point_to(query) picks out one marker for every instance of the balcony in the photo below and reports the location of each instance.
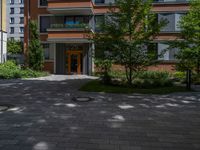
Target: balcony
(69, 33)
(104, 2)
(71, 7)
(170, 1)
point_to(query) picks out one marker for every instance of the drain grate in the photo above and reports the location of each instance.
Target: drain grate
(5, 107)
(82, 99)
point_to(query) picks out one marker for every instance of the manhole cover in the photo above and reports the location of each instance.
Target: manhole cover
(82, 99)
(5, 107)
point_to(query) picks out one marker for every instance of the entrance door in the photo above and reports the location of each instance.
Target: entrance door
(74, 62)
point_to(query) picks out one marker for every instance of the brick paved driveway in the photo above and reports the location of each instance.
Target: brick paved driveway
(45, 118)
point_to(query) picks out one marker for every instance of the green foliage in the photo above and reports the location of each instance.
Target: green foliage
(180, 76)
(36, 58)
(150, 79)
(104, 67)
(153, 75)
(196, 79)
(189, 54)
(127, 32)
(14, 47)
(96, 86)
(10, 70)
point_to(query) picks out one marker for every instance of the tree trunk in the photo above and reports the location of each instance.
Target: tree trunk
(129, 74)
(198, 66)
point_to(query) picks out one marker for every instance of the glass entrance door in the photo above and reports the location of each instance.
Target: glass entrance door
(74, 62)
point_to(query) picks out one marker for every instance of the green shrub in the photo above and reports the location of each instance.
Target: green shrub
(28, 73)
(152, 79)
(10, 70)
(104, 67)
(196, 79)
(180, 76)
(152, 75)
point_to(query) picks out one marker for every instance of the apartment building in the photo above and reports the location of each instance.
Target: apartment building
(3, 33)
(15, 19)
(62, 31)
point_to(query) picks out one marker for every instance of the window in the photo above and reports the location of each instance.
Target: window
(22, 39)
(99, 1)
(152, 50)
(98, 21)
(71, 20)
(43, 2)
(104, 1)
(169, 54)
(12, 20)
(12, 10)
(173, 21)
(21, 1)
(21, 10)
(12, 2)
(21, 20)
(12, 30)
(21, 30)
(11, 38)
(44, 23)
(178, 17)
(48, 52)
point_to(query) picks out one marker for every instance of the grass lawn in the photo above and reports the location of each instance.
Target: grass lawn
(96, 86)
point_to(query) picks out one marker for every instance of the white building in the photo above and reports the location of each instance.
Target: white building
(3, 33)
(15, 19)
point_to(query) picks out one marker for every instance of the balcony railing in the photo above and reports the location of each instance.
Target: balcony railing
(170, 1)
(75, 7)
(70, 26)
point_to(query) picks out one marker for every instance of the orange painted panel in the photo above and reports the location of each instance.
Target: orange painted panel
(56, 34)
(167, 36)
(69, 3)
(170, 7)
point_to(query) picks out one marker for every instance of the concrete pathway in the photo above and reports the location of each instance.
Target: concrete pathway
(44, 117)
(63, 77)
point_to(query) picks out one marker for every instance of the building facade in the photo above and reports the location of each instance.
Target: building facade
(62, 31)
(3, 33)
(15, 19)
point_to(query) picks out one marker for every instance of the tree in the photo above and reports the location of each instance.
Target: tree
(35, 53)
(189, 48)
(14, 47)
(126, 32)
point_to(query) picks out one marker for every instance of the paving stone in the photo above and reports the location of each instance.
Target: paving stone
(45, 116)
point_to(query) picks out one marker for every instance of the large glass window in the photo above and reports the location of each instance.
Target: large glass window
(71, 20)
(44, 23)
(173, 21)
(98, 22)
(178, 17)
(166, 54)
